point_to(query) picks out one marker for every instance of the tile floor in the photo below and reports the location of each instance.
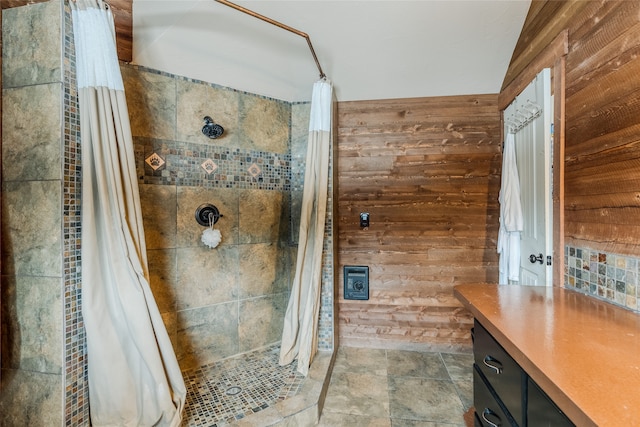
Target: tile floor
(372, 387)
(223, 392)
(368, 387)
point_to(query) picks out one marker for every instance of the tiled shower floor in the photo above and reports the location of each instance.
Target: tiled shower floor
(231, 389)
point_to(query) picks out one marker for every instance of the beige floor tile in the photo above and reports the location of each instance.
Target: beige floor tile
(358, 394)
(459, 366)
(414, 423)
(465, 392)
(423, 389)
(361, 360)
(402, 363)
(423, 399)
(329, 419)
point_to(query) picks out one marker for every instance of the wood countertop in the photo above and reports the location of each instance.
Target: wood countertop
(583, 352)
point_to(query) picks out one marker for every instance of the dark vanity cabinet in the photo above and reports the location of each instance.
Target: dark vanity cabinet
(489, 409)
(541, 411)
(504, 395)
(497, 384)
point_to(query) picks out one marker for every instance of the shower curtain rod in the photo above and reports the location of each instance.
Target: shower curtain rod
(277, 24)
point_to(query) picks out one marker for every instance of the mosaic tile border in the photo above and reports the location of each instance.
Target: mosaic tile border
(234, 388)
(235, 168)
(76, 398)
(325, 324)
(297, 173)
(605, 275)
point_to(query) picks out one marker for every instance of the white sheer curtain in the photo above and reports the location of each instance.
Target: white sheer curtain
(134, 377)
(300, 333)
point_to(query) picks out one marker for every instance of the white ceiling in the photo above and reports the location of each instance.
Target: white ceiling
(376, 49)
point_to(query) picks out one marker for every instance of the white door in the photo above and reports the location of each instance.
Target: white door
(531, 115)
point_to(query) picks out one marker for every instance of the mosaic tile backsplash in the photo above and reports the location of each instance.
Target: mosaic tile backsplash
(605, 275)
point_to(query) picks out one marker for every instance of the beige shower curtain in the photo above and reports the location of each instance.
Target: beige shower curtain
(300, 333)
(134, 377)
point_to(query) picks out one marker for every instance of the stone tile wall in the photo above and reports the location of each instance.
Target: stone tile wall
(33, 267)
(231, 299)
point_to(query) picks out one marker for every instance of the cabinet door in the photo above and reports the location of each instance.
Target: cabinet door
(541, 411)
(489, 413)
(502, 372)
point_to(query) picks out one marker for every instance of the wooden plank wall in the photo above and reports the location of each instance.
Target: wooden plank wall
(428, 172)
(602, 141)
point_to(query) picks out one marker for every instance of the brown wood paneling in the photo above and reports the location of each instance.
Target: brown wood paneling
(602, 116)
(544, 22)
(558, 194)
(122, 16)
(602, 43)
(558, 48)
(1, 186)
(6, 4)
(123, 19)
(427, 170)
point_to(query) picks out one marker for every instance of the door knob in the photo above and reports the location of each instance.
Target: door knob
(533, 259)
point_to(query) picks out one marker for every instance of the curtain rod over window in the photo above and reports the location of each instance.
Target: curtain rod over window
(277, 24)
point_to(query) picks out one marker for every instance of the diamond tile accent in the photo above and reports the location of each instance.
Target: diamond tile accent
(209, 166)
(155, 161)
(254, 170)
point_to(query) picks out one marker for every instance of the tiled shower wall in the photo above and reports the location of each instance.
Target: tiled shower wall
(605, 275)
(239, 288)
(231, 299)
(39, 250)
